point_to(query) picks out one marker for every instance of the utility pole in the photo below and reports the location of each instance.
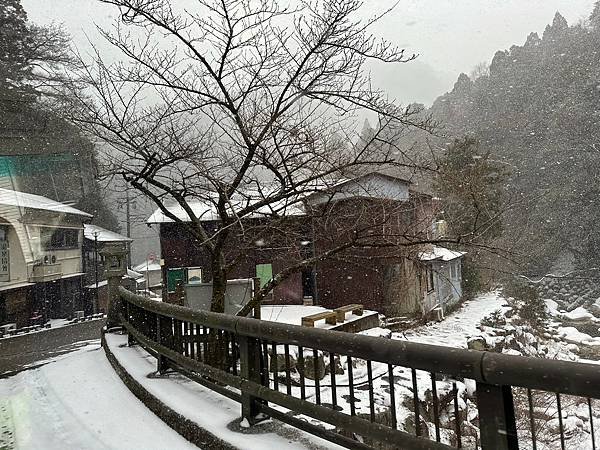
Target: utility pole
(128, 220)
(95, 306)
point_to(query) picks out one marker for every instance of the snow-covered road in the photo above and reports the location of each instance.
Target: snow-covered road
(78, 402)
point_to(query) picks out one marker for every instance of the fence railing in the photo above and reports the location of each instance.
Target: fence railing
(371, 392)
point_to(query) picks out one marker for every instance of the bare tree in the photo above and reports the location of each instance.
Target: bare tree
(245, 106)
(481, 69)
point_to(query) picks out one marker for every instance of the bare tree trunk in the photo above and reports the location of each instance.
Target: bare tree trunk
(217, 348)
(219, 284)
(219, 274)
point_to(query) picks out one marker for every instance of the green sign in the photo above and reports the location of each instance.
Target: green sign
(265, 273)
(173, 277)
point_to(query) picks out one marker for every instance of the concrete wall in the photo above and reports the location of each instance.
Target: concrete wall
(198, 295)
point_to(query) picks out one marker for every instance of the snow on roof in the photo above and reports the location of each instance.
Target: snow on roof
(31, 201)
(130, 274)
(147, 266)
(440, 253)
(206, 211)
(91, 231)
(134, 274)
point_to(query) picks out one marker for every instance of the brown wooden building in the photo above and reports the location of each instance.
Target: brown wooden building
(377, 216)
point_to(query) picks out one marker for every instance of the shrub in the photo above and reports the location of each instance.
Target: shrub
(527, 303)
(494, 320)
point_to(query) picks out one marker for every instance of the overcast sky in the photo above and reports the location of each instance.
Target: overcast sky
(450, 36)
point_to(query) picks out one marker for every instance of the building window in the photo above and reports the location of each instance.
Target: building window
(453, 271)
(430, 285)
(194, 275)
(59, 238)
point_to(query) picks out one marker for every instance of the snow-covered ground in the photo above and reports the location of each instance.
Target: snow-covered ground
(553, 340)
(458, 327)
(78, 402)
(293, 314)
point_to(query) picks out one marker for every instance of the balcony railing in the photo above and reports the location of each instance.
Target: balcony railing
(46, 272)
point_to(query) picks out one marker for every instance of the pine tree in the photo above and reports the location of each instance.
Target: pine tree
(15, 42)
(470, 186)
(595, 17)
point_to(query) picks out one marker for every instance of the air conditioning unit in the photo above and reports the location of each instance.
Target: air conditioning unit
(49, 259)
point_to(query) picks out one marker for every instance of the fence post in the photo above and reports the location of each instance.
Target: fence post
(161, 361)
(130, 319)
(255, 289)
(250, 370)
(496, 417)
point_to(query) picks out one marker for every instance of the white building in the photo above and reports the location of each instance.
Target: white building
(41, 266)
(444, 277)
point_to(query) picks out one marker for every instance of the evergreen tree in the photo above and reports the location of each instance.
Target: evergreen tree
(595, 17)
(537, 113)
(33, 135)
(15, 42)
(471, 188)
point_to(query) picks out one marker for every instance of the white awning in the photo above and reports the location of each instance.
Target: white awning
(16, 286)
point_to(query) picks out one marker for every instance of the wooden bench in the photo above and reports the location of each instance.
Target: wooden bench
(329, 316)
(355, 308)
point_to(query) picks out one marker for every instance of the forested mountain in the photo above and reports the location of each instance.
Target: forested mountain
(40, 152)
(537, 112)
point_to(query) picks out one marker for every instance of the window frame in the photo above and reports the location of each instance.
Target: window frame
(59, 238)
(429, 279)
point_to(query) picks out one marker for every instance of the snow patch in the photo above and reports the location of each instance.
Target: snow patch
(578, 314)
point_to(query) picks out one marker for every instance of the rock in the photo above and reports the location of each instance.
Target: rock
(595, 309)
(573, 347)
(551, 307)
(278, 364)
(578, 314)
(409, 426)
(313, 369)
(337, 364)
(477, 343)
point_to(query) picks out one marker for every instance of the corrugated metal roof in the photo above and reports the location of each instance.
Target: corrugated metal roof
(91, 231)
(31, 201)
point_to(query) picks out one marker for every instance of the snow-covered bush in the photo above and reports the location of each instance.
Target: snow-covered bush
(494, 320)
(526, 303)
